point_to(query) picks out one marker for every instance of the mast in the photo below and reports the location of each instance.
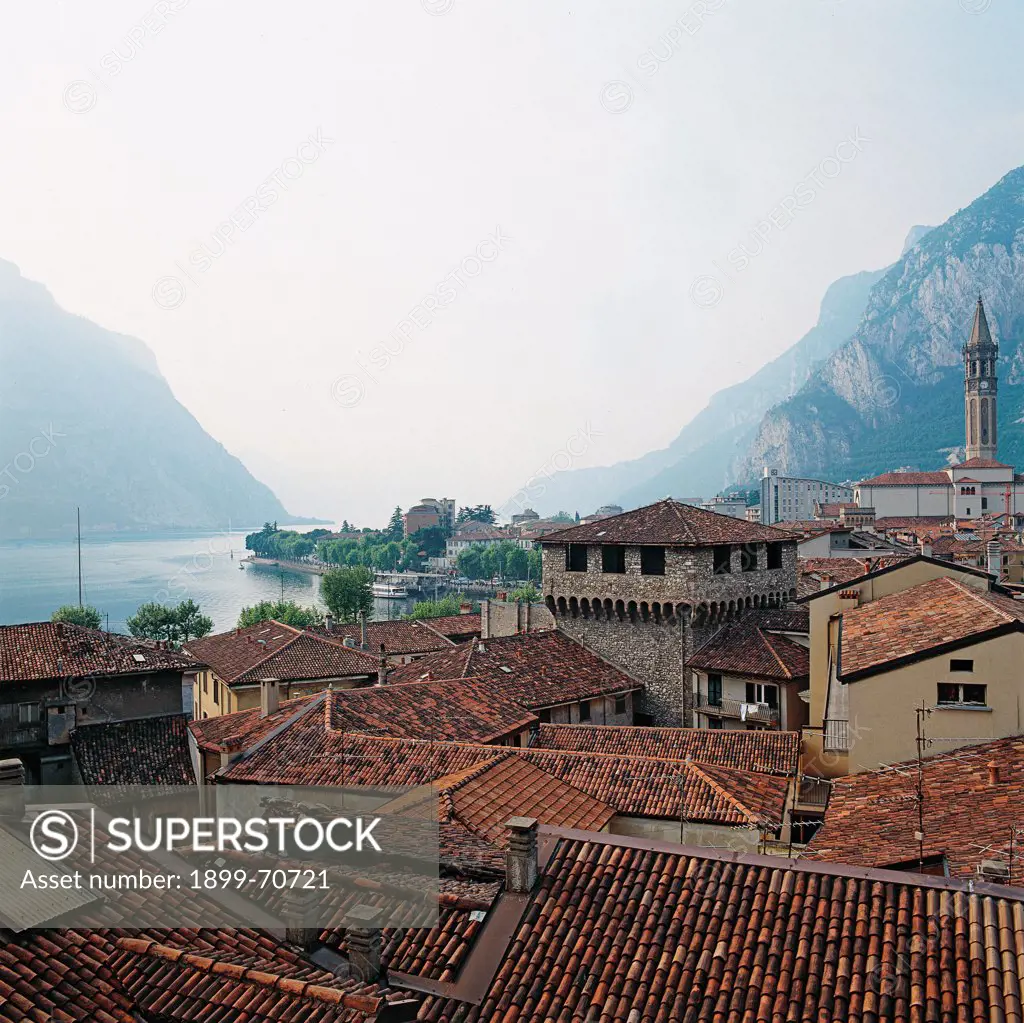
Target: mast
(78, 516)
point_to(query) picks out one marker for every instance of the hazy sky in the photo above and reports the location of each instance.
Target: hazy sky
(558, 182)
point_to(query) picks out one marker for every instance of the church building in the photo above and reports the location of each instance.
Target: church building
(981, 484)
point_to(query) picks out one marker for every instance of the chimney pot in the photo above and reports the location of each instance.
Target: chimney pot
(993, 773)
(521, 858)
(269, 697)
(364, 942)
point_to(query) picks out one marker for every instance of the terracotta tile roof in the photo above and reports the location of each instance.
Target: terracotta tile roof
(271, 649)
(626, 931)
(811, 572)
(484, 797)
(307, 754)
(152, 751)
(47, 650)
(831, 510)
(761, 751)
(751, 648)
(470, 709)
(246, 727)
(908, 479)
(455, 626)
(399, 636)
(177, 984)
(536, 669)
(925, 617)
(911, 522)
(982, 463)
(670, 523)
(872, 817)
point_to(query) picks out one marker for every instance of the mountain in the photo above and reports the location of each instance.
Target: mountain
(699, 461)
(87, 419)
(892, 395)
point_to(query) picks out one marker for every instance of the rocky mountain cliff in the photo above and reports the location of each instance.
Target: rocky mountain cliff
(892, 394)
(87, 419)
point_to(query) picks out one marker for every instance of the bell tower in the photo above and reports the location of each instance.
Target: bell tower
(980, 355)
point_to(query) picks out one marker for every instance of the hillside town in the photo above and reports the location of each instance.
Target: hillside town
(727, 760)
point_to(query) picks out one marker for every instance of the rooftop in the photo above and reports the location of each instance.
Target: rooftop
(938, 478)
(969, 815)
(933, 616)
(399, 636)
(668, 523)
(812, 572)
(756, 647)
(151, 751)
(271, 649)
(48, 650)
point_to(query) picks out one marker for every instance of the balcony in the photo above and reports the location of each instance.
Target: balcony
(758, 713)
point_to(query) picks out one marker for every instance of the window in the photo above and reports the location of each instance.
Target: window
(206, 677)
(28, 714)
(216, 691)
(748, 558)
(576, 557)
(620, 704)
(584, 710)
(714, 722)
(545, 716)
(757, 692)
(652, 560)
(984, 504)
(714, 690)
(961, 665)
(721, 560)
(613, 559)
(957, 694)
(774, 555)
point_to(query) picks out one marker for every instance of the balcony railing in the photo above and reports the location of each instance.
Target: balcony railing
(836, 736)
(759, 713)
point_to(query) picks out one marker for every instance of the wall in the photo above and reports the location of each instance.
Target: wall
(237, 698)
(882, 708)
(602, 712)
(904, 499)
(705, 835)
(509, 618)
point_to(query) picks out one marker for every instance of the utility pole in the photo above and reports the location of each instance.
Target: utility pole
(922, 742)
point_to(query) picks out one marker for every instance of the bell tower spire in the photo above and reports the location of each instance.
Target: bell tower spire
(980, 380)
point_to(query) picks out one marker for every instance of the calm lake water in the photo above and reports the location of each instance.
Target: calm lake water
(120, 574)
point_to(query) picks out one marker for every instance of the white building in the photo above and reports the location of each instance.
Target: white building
(734, 507)
(792, 498)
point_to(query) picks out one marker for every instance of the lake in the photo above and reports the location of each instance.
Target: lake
(119, 574)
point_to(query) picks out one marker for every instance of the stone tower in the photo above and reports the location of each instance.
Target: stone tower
(644, 589)
(980, 355)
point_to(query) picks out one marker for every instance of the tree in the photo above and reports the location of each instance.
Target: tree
(286, 611)
(470, 562)
(346, 592)
(173, 624)
(396, 527)
(528, 594)
(430, 540)
(564, 516)
(478, 513)
(75, 614)
(516, 564)
(449, 605)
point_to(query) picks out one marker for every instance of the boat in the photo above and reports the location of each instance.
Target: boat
(390, 591)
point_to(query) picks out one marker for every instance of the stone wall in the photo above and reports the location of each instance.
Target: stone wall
(512, 617)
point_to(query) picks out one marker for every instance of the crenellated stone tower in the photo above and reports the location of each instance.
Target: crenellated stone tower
(980, 380)
(644, 589)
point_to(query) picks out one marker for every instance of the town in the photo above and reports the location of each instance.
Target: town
(758, 756)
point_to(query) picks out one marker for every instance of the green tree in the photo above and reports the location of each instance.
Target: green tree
(516, 563)
(470, 562)
(528, 594)
(346, 592)
(430, 540)
(177, 624)
(477, 513)
(449, 605)
(395, 528)
(534, 561)
(286, 611)
(74, 614)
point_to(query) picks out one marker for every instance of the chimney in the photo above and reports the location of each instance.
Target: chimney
(993, 773)
(329, 621)
(364, 940)
(521, 858)
(298, 908)
(12, 789)
(363, 643)
(926, 548)
(995, 560)
(269, 697)
(229, 753)
(382, 668)
(465, 608)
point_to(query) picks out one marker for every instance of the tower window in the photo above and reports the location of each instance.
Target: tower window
(721, 560)
(576, 557)
(652, 560)
(613, 559)
(774, 555)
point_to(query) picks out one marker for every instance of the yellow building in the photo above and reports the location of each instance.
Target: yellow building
(295, 662)
(923, 635)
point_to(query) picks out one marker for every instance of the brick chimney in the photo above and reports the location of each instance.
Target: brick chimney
(521, 858)
(229, 753)
(993, 773)
(364, 942)
(270, 699)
